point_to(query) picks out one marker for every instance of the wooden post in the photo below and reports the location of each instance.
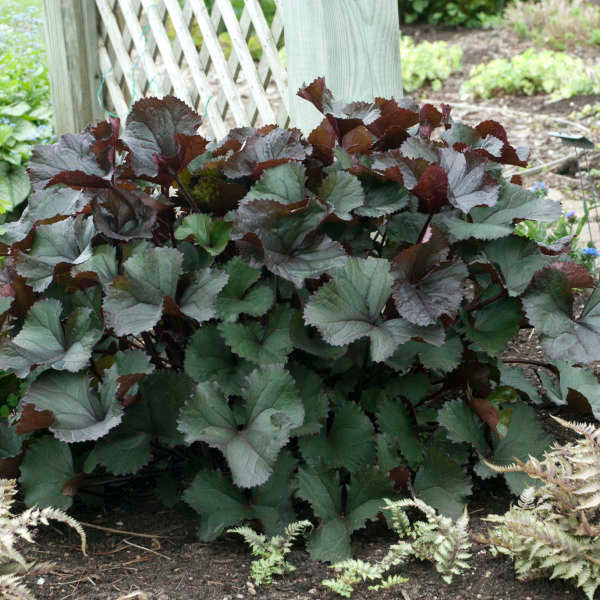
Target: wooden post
(355, 44)
(72, 47)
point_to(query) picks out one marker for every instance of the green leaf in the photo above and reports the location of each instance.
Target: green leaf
(445, 358)
(308, 339)
(271, 410)
(383, 199)
(127, 448)
(349, 307)
(463, 425)
(348, 442)
(515, 377)
(199, 300)
(283, 184)
(80, 413)
(47, 466)
(489, 223)
(212, 236)
(314, 399)
(67, 241)
(343, 192)
(103, 263)
(321, 488)
(261, 345)
(518, 259)
(525, 437)
(14, 186)
(579, 380)
(207, 358)
(548, 305)
(494, 325)
(427, 286)
(393, 419)
(134, 301)
(221, 504)
(10, 441)
(239, 297)
(44, 341)
(442, 483)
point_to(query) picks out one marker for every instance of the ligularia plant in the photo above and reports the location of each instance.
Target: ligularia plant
(282, 320)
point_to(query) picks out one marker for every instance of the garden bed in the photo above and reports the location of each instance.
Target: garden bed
(166, 562)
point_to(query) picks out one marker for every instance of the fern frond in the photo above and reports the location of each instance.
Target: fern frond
(272, 552)
(12, 588)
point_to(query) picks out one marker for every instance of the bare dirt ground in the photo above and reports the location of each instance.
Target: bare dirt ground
(166, 562)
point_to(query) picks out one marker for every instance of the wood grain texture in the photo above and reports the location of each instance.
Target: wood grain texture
(70, 28)
(353, 43)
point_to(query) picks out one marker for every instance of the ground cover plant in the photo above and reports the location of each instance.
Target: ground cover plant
(533, 72)
(469, 13)
(427, 63)
(555, 23)
(25, 113)
(306, 325)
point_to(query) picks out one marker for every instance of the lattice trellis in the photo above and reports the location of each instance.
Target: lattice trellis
(139, 58)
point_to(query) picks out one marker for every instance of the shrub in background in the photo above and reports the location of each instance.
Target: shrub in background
(427, 63)
(316, 317)
(470, 13)
(533, 72)
(559, 24)
(25, 113)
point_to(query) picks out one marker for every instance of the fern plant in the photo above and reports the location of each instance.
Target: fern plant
(553, 530)
(271, 551)
(13, 565)
(438, 539)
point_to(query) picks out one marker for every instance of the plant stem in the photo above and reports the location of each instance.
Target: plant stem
(185, 191)
(531, 361)
(481, 303)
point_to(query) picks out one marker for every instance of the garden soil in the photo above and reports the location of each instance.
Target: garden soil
(137, 549)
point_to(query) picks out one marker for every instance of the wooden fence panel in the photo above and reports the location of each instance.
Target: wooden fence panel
(146, 47)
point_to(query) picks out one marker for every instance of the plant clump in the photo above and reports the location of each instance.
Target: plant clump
(428, 63)
(275, 321)
(533, 72)
(553, 531)
(438, 539)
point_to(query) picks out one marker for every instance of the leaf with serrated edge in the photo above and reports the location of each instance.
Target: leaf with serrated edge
(199, 300)
(383, 199)
(239, 296)
(127, 448)
(518, 260)
(314, 399)
(134, 301)
(525, 437)
(80, 413)
(47, 466)
(343, 192)
(515, 377)
(393, 419)
(347, 443)
(262, 345)
(103, 263)
(67, 241)
(548, 305)
(319, 487)
(582, 381)
(44, 341)
(207, 358)
(272, 409)
(10, 441)
(442, 483)
(349, 308)
(463, 425)
(283, 183)
(212, 236)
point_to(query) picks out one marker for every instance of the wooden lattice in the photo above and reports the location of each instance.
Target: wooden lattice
(146, 48)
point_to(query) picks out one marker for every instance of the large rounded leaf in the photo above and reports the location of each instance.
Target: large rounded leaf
(272, 408)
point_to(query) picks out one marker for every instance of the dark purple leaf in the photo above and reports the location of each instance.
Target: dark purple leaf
(468, 183)
(426, 285)
(160, 135)
(70, 161)
(432, 189)
(124, 215)
(261, 152)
